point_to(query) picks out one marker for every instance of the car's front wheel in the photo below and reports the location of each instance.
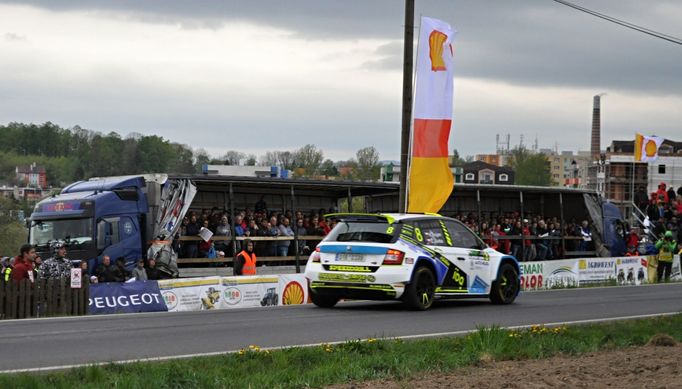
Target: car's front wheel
(505, 289)
(420, 292)
(322, 300)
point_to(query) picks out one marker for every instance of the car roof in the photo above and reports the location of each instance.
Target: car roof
(390, 217)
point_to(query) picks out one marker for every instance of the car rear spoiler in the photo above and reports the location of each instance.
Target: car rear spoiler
(371, 217)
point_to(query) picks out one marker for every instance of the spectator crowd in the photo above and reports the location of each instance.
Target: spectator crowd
(528, 237)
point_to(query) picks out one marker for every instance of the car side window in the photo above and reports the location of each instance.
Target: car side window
(461, 236)
(432, 232)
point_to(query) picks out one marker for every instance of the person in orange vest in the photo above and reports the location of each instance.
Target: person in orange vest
(245, 263)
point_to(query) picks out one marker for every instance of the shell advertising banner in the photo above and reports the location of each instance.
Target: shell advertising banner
(207, 293)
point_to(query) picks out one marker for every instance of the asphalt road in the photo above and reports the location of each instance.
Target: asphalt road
(49, 343)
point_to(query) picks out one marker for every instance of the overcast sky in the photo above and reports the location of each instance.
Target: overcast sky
(274, 75)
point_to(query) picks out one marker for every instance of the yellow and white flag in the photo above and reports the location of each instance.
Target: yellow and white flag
(646, 147)
(429, 178)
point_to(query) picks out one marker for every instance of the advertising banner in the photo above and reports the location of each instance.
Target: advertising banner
(561, 274)
(129, 297)
(596, 270)
(294, 289)
(191, 294)
(631, 270)
(249, 291)
(531, 275)
(234, 292)
(549, 274)
(676, 273)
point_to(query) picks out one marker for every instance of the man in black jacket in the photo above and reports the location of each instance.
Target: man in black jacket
(121, 274)
(105, 271)
(153, 272)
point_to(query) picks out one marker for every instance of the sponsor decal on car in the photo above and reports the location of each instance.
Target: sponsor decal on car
(346, 277)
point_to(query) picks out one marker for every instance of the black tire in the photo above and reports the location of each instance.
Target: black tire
(322, 300)
(420, 292)
(505, 289)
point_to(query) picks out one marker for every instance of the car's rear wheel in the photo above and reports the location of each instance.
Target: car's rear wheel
(420, 292)
(322, 300)
(505, 289)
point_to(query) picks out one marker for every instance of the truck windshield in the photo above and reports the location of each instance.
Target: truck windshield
(361, 231)
(73, 231)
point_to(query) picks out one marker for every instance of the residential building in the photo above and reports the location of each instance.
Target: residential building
(31, 175)
(479, 172)
(666, 169)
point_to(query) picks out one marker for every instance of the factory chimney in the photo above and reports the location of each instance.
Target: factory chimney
(595, 146)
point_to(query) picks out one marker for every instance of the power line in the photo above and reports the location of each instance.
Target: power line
(623, 23)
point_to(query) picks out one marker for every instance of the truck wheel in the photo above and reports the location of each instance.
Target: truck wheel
(505, 289)
(322, 300)
(419, 293)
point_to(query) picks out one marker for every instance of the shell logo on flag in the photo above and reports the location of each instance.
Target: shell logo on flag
(436, 42)
(650, 148)
(430, 180)
(646, 147)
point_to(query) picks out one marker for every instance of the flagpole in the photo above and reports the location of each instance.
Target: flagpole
(407, 103)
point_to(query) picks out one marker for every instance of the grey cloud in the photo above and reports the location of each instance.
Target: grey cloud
(12, 37)
(533, 42)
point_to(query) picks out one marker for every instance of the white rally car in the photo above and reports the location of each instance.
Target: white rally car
(411, 257)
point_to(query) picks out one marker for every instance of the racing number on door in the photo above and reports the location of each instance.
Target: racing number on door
(458, 278)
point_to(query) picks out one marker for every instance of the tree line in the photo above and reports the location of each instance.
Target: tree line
(71, 154)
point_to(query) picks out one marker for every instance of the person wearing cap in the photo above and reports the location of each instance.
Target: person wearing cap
(139, 273)
(245, 263)
(667, 247)
(57, 266)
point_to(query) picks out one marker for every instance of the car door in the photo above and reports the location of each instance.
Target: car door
(436, 236)
(468, 251)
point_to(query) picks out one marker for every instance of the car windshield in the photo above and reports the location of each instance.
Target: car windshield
(72, 231)
(363, 231)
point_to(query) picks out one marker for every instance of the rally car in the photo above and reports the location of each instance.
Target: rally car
(415, 258)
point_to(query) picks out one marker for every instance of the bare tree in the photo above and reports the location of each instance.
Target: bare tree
(233, 157)
(251, 160)
(271, 158)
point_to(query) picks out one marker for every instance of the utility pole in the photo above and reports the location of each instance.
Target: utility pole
(407, 103)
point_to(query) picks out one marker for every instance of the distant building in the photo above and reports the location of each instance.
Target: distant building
(391, 173)
(479, 172)
(30, 194)
(568, 169)
(667, 169)
(246, 171)
(31, 175)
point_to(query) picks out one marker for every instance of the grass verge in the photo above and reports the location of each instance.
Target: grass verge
(254, 367)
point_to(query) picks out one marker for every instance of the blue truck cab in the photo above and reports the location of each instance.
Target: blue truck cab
(112, 216)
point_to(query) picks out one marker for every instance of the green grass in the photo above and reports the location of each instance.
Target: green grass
(356, 360)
